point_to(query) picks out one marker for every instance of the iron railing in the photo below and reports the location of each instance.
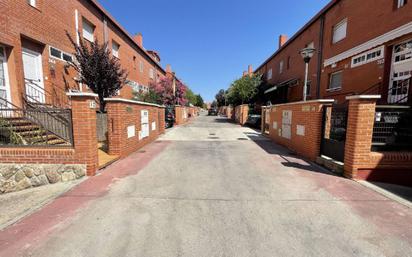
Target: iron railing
(392, 128)
(37, 96)
(26, 127)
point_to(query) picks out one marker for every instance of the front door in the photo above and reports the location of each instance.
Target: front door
(401, 73)
(5, 95)
(33, 76)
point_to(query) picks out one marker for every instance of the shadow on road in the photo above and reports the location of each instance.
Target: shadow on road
(291, 159)
(224, 120)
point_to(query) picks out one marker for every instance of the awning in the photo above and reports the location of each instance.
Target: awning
(284, 83)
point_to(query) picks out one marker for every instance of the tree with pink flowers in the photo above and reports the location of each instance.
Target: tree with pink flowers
(164, 90)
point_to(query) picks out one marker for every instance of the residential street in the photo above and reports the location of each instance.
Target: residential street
(214, 189)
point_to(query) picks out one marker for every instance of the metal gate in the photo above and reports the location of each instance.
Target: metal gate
(335, 119)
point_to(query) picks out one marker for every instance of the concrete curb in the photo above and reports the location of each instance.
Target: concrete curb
(385, 193)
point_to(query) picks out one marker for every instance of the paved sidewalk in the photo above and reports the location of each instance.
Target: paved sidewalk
(15, 206)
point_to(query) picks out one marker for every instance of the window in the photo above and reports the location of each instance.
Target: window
(288, 63)
(67, 57)
(403, 52)
(88, 30)
(335, 80)
(58, 54)
(143, 89)
(151, 73)
(280, 67)
(55, 52)
(400, 3)
(270, 74)
(32, 2)
(367, 57)
(339, 31)
(115, 49)
(141, 66)
(134, 62)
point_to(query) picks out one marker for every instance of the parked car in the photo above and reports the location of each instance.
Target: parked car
(212, 112)
(254, 120)
(169, 117)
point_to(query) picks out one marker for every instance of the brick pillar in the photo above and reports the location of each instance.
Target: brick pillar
(361, 115)
(178, 115)
(162, 124)
(262, 120)
(115, 129)
(245, 113)
(84, 129)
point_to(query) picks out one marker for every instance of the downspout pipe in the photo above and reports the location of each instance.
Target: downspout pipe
(320, 55)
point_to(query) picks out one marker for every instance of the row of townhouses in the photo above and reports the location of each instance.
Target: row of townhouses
(35, 48)
(49, 121)
(362, 47)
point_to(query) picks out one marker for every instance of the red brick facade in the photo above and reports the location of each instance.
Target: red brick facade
(367, 28)
(45, 25)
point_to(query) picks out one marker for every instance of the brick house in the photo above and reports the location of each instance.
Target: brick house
(360, 50)
(34, 49)
(49, 121)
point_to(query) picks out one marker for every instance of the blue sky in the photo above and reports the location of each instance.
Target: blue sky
(209, 43)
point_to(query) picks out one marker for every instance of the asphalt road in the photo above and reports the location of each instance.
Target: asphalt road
(215, 189)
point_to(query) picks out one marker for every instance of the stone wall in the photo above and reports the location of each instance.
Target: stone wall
(16, 177)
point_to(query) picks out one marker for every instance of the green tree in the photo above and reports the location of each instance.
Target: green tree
(149, 97)
(199, 101)
(244, 89)
(190, 96)
(221, 98)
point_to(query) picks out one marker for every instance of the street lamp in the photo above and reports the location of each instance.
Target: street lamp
(307, 54)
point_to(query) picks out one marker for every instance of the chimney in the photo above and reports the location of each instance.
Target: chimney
(244, 73)
(168, 68)
(138, 38)
(250, 70)
(282, 40)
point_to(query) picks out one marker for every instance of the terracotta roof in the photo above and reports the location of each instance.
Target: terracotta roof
(297, 34)
(124, 31)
